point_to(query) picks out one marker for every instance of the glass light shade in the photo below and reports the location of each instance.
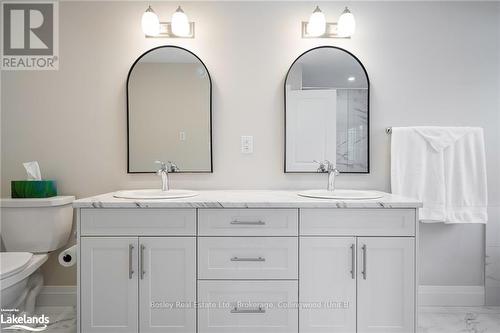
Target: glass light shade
(150, 22)
(180, 23)
(317, 23)
(346, 25)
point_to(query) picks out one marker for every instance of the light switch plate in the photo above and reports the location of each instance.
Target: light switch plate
(182, 136)
(247, 144)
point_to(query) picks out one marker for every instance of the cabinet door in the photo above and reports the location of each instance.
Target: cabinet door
(327, 284)
(386, 284)
(109, 285)
(167, 284)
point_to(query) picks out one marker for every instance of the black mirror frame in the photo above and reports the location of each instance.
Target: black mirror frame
(367, 108)
(128, 113)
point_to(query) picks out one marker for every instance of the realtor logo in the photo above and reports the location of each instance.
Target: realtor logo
(13, 320)
(30, 36)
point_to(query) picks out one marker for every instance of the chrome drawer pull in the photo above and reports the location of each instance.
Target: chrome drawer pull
(248, 222)
(142, 261)
(353, 261)
(130, 269)
(248, 259)
(254, 310)
(363, 272)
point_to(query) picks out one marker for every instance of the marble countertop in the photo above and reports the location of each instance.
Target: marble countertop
(246, 199)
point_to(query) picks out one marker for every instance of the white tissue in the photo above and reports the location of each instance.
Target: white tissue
(33, 170)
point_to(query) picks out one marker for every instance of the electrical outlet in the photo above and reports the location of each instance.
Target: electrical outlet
(247, 144)
(182, 136)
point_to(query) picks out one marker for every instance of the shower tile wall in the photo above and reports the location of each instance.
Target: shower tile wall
(352, 132)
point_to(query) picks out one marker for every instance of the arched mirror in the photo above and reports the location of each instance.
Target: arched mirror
(169, 111)
(326, 112)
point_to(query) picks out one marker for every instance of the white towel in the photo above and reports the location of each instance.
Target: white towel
(445, 168)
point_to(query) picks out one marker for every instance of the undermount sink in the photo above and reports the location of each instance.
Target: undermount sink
(341, 194)
(154, 194)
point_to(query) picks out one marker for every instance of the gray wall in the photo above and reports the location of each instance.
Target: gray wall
(429, 64)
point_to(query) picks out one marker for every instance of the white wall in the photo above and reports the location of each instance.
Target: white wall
(429, 64)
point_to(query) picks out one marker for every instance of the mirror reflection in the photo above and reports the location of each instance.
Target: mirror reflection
(326, 110)
(169, 112)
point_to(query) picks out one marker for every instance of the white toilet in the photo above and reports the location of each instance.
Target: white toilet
(30, 229)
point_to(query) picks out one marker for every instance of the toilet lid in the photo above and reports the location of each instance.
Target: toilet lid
(13, 262)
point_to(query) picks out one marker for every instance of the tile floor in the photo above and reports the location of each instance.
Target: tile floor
(62, 318)
(459, 319)
(431, 319)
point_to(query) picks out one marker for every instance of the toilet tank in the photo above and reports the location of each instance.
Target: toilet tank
(36, 225)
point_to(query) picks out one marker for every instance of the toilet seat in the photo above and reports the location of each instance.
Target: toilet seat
(13, 262)
(15, 266)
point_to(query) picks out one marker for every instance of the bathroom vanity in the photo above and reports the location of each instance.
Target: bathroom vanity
(247, 261)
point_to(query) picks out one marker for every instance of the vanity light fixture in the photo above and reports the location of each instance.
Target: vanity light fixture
(318, 27)
(346, 26)
(180, 23)
(317, 23)
(150, 22)
(179, 27)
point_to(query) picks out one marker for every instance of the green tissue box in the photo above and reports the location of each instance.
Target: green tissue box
(33, 188)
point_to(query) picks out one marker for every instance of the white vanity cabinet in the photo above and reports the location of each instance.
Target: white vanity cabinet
(328, 284)
(386, 284)
(363, 283)
(109, 300)
(138, 284)
(167, 277)
(247, 306)
(248, 268)
(233, 262)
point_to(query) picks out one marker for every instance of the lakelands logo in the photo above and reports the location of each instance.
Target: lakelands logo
(36, 323)
(30, 39)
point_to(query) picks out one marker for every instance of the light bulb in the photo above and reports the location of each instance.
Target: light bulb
(346, 25)
(180, 23)
(150, 22)
(317, 23)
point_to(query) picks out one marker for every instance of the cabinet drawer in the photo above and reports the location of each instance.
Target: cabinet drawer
(137, 222)
(247, 307)
(247, 257)
(357, 222)
(247, 222)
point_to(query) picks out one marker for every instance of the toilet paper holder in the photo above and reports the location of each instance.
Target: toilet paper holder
(67, 258)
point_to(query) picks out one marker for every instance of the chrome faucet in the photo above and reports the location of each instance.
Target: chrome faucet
(163, 172)
(333, 172)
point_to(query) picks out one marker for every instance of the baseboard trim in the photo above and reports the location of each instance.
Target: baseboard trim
(57, 296)
(451, 295)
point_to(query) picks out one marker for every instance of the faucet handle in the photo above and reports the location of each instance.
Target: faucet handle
(330, 167)
(327, 166)
(163, 166)
(321, 166)
(172, 167)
